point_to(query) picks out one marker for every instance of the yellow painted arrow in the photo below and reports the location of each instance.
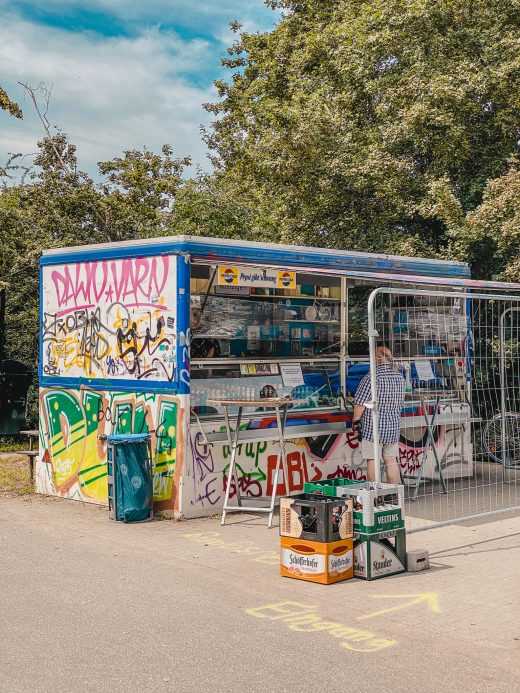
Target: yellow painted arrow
(429, 598)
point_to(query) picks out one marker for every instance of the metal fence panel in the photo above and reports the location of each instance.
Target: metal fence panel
(459, 353)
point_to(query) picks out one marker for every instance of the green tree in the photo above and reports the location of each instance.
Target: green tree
(490, 235)
(206, 205)
(56, 204)
(353, 123)
(140, 191)
(10, 106)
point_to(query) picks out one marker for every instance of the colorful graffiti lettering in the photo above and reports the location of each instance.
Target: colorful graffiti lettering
(74, 461)
(85, 284)
(308, 459)
(205, 478)
(345, 472)
(450, 443)
(113, 319)
(409, 459)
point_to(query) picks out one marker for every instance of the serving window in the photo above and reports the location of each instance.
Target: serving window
(259, 341)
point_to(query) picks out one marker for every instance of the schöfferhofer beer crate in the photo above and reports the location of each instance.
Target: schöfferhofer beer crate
(379, 555)
(377, 507)
(316, 517)
(317, 561)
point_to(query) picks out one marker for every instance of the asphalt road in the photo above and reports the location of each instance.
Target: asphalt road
(91, 605)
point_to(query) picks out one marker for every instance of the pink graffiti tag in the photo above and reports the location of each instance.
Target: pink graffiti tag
(133, 281)
(409, 459)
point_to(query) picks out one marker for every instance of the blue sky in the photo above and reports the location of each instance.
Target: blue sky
(124, 73)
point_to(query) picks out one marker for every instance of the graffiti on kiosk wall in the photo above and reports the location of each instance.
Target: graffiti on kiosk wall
(453, 447)
(74, 460)
(110, 319)
(308, 459)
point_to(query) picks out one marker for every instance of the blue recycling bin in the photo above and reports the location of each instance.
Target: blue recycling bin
(130, 481)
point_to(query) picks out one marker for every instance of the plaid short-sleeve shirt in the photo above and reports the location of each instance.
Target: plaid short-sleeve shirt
(390, 397)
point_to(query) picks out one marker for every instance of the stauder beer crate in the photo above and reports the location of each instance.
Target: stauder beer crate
(379, 555)
(316, 561)
(378, 507)
(316, 517)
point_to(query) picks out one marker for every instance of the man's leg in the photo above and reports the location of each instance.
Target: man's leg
(392, 470)
(371, 470)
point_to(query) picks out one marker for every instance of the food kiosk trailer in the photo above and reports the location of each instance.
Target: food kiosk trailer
(148, 335)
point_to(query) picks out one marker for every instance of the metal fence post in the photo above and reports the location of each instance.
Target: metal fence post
(503, 386)
(372, 345)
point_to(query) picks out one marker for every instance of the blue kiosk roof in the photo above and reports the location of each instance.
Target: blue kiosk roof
(221, 250)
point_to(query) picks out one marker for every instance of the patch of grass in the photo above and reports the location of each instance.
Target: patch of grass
(11, 447)
(14, 476)
(13, 443)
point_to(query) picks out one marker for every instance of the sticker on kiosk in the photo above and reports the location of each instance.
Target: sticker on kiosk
(229, 275)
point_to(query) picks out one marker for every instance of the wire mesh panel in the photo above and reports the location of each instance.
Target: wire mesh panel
(459, 357)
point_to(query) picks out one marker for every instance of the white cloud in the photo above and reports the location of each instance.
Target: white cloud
(205, 16)
(123, 92)
(109, 94)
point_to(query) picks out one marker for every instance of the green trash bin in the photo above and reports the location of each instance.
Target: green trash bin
(130, 482)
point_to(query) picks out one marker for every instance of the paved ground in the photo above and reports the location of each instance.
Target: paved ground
(489, 489)
(91, 605)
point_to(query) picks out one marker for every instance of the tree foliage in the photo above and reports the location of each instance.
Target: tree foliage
(347, 120)
(489, 238)
(10, 106)
(56, 204)
(374, 125)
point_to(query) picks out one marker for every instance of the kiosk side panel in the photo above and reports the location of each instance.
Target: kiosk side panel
(110, 362)
(73, 463)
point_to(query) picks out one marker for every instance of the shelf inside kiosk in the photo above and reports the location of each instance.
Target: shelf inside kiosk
(312, 385)
(250, 342)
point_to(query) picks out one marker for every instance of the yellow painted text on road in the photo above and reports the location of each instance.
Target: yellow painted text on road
(246, 548)
(303, 618)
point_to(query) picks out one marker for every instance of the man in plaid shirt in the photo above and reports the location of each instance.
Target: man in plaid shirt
(390, 396)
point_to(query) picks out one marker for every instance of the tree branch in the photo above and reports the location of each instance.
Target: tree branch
(43, 119)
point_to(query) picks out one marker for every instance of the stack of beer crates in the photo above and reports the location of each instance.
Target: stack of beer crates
(379, 524)
(316, 538)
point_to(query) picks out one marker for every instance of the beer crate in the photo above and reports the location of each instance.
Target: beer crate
(316, 517)
(379, 555)
(372, 510)
(317, 561)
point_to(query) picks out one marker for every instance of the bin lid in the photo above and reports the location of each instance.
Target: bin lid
(120, 438)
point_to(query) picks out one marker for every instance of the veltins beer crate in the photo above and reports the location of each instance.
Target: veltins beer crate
(316, 518)
(366, 494)
(379, 555)
(317, 561)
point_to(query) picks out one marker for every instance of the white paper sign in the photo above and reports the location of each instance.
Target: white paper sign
(292, 375)
(424, 370)
(253, 337)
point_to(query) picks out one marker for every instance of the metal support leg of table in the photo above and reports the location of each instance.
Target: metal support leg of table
(232, 471)
(430, 443)
(281, 421)
(281, 459)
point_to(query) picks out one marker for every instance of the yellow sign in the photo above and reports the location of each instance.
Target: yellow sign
(229, 275)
